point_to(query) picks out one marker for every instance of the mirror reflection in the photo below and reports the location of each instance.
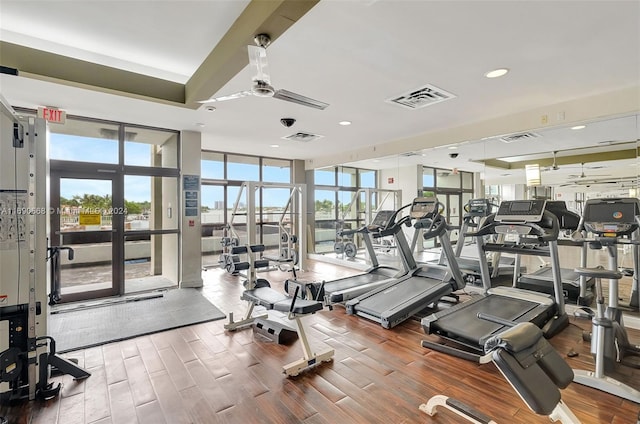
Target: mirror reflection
(597, 159)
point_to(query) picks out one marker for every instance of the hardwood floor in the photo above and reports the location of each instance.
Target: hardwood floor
(203, 374)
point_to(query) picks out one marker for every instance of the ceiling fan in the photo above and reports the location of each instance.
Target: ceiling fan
(261, 81)
(582, 174)
(554, 166)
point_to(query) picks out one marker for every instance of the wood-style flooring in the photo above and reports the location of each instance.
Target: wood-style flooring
(203, 374)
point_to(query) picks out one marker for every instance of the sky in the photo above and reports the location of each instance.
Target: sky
(138, 188)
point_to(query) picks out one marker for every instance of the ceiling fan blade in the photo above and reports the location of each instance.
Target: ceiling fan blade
(258, 58)
(227, 97)
(299, 99)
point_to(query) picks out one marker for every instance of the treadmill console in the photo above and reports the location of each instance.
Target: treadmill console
(611, 217)
(520, 211)
(381, 220)
(421, 207)
(478, 207)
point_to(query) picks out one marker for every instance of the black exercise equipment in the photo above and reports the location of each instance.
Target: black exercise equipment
(259, 293)
(475, 211)
(537, 232)
(296, 309)
(422, 287)
(54, 257)
(343, 289)
(613, 222)
(533, 368)
(14, 360)
(578, 289)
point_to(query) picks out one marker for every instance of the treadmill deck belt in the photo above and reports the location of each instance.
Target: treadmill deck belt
(353, 281)
(568, 276)
(413, 289)
(469, 327)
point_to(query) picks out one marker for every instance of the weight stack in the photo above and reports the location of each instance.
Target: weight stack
(275, 331)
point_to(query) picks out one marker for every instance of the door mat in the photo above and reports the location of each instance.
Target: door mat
(87, 327)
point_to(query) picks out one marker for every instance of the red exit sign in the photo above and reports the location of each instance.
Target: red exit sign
(56, 116)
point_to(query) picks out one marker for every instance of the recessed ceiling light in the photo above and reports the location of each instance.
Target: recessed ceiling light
(275, 145)
(496, 73)
(579, 127)
(453, 147)
(200, 124)
(210, 108)
(344, 123)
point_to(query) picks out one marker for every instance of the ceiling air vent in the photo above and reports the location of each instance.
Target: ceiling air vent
(518, 137)
(303, 137)
(421, 97)
(408, 154)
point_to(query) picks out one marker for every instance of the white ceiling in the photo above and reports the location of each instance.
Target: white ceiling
(353, 55)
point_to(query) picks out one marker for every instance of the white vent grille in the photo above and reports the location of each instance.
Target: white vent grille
(303, 137)
(518, 137)
(421, 97)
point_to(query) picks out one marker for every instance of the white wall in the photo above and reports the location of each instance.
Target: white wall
(409, 180)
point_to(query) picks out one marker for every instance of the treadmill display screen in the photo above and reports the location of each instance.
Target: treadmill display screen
(479, 207)
(520, 206)
(382, 218)
(521, 211)
(423, 206)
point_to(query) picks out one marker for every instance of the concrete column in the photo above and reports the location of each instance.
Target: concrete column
(190, 234)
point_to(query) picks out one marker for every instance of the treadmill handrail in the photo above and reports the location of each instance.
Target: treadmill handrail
(436, 229)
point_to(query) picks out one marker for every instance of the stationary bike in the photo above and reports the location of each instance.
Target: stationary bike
(612, 222)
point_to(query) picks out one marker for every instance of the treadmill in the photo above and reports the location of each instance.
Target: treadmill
(476, 210)
(537, 232)
(395, 302)
(343, 289)
(575, 288)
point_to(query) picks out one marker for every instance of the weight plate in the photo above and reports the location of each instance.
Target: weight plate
(350, 249)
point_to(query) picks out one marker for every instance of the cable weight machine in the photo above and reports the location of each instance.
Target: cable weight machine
(26, 359)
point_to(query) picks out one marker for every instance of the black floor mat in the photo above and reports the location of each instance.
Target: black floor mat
(87, 327)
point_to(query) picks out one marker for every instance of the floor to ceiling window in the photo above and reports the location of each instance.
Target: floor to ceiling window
(114, 193)
(339, 203)
(224, 204)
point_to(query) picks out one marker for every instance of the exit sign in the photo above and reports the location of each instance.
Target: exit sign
(56, 116)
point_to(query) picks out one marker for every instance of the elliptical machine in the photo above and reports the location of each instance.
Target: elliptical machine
(613, 222)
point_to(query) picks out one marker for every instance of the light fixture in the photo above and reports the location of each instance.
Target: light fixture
(275, 145)
(200, 124)
(344, 123)
(496, 73)
(453, 147)
(210, 108)
(579, 127)
(532, 174)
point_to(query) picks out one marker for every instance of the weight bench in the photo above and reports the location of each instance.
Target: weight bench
(533, 368)
(296, 309)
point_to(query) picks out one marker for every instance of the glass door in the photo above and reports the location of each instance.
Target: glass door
(86, 218)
